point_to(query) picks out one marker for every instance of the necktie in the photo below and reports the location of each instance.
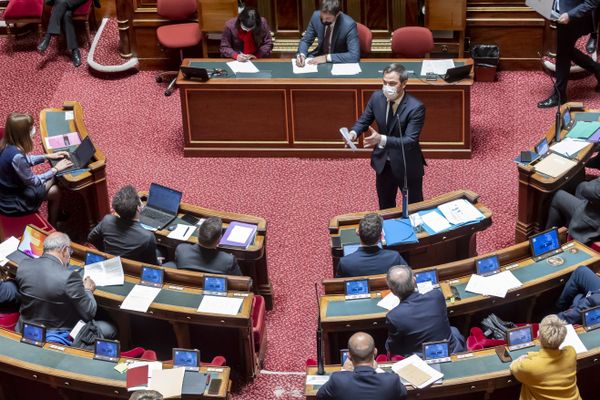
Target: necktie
(390, 117)
(327, 40)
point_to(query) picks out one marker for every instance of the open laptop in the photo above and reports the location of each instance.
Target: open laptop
(162, 206)
(519, 338)
(457, 73)
(545, 244)
(80, 158)
(488, 265)
(591, 318)
(436, 352)
(546, 8)
(31, 245)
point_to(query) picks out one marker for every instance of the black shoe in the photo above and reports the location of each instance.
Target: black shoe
(551, 101)
(590, 47)
(44, 43)
(76, 57)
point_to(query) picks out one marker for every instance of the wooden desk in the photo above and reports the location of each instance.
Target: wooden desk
(90, 185)
(536, 190)
(340, 317)
(300, 115)
(480, 372)
(252, 261)
(444, 247)
(69, 372)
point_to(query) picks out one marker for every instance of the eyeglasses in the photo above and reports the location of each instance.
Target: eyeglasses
(70, 250)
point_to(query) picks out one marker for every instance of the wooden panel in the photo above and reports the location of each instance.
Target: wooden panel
(214, 13)
(287, 13)
(444, 117)
(377, 15)
(445, 15)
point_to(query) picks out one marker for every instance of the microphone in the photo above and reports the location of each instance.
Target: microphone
(405, 182)
(557, 117)
(320, 367)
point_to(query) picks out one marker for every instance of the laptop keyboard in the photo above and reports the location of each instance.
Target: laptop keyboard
(153, 214)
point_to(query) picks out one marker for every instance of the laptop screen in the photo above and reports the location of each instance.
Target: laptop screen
(520, 336)
(544, 242)
(215, 284)
(186, 358)
(432, 351)
(32, 242)
(542, 147)
(164, 198)
(357, 287)
(85, 151)
(487, 265)
(33, 333)
(591, 317)
(343, 356)
(566, 118)
(106, 348)
(153, 276)
(92, 258)
(430, 275)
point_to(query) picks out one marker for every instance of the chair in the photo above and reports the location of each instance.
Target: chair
(412, 42)
(9, 321)
(365, 37)
(258, 326)
(14, 226)
(478, 341)
(178, 35)
(212, 15)
(22, 12)
(84, 13)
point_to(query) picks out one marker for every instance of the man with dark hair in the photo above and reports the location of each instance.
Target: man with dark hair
(419, 318)
(122, 234)
(337, 35)
(369, 259)
(359, 380)
(205, 256)
(396, 149)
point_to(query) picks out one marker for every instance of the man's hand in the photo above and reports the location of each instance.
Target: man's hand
(58, 155)
(374, 139)
(318, 60)
(563, 19)
(89, 284)
(300, 60)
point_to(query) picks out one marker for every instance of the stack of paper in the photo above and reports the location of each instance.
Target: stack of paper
(307, 69)
(568, 147)
(461, 211)
(61, 141)
(182, 232)
(435, 221)
(346, 136)
(494, 285)
(247, 67)
(438, 67)
(140, 298)
(572, 339)
(238, 234)
(389, 302)
(220, 305)
(106, 273)
(416, 372)
(168, 382)
(7, 247)
(346, 69)
(554, 165)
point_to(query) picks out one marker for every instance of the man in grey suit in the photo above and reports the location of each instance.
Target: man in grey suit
(54, 296)
(579, 212)
(396, 149)
(205, 256)
(337, 34)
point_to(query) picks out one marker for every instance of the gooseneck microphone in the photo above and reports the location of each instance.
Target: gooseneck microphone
(405, 177)
(320, 367)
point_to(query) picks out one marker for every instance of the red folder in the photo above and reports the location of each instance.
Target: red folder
(137, 376)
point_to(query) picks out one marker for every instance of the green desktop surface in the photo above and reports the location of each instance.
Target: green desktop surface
(166, 296)
(56, 124)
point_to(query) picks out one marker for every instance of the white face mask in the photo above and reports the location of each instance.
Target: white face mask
(389, 91)
(32, 133)
(245, 28)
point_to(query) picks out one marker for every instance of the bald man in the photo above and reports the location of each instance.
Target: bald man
(419, 318)
(359, 380)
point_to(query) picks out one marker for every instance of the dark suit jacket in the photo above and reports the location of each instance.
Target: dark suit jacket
(418, 319)
(214, 261)
(121, 237)
(368, 260)
(581, 303)
(362, 384)
(411, 113)
(231, 45)
(345, 46)
(52, 295)
(585, 222)
(578, 8)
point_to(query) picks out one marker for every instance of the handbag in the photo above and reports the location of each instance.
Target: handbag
(494, 327)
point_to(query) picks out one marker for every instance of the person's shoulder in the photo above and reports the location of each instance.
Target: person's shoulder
(347, 20)
(569, 352)
(185, 247)
(316, 16)
(413, 101)
(108, 219)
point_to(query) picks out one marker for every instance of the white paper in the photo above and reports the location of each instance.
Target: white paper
(239, 234)
(307, 69)
(7, 247)
(237, 66)
(389, 302)
(182, 232)
(168, 382)
(347, 139)
(460, 211)
(316, 379)
(422, 365)
(220, 305)
(148, 227)
(140, 298)
(569, 147)
(346, 69)
(438, 67)
(507, 279)
(105, 273)
(494, 285)
(424, 287)
(69, 115)
(572, 339)
(415, 219)
(200, 222)
(436, 222)
(78, 327)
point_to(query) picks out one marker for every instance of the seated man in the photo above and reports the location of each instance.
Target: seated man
(8, 296)
(369, 259)
(53, 295)
(205, 256)
(337, 33)
(580, 212)
(359, 380)
(122, 234)
(582, 291)
(419, 318)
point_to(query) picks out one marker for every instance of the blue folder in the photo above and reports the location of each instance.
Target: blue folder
(398, 231)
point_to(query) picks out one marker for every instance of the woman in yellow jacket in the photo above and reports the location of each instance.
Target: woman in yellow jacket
(551, 373)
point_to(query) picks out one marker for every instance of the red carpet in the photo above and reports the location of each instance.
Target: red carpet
(140, 131)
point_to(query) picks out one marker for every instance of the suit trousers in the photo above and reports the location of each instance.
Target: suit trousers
(561, 209)
(388, 184)
(63, 11)
(582, 281)
(8, 295)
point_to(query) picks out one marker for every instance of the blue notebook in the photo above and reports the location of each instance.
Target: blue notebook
(398, 231)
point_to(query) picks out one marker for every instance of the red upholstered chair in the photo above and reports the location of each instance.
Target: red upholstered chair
(365, 37)
(478, 341)
(179, 34)
(14, 226)
(412, 42)
(259, 327)
(9, 321)
(85, 13)
(22, 12)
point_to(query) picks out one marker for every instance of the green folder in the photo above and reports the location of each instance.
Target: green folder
(349, 236)
(583, 129)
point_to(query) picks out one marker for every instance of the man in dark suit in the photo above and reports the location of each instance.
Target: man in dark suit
(337, 33)
(205, 256)
(579, 212)
(54, 296)
(419, 318)
(122, 234)
(369, 259)
(359, 380)
(8, 295)
(575, 21)
(582, 291)
(399, 118)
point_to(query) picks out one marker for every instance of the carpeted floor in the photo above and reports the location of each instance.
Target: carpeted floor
(140, 131)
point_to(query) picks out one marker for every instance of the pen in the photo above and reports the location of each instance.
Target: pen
(186, 231)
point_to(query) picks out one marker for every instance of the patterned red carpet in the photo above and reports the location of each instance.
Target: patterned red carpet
(140, 131)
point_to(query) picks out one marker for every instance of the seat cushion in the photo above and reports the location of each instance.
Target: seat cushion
(14, 226)
(24, 9)
(9, 321)
(83, 9)
(258, 321)
(412, 42)
(177, 36)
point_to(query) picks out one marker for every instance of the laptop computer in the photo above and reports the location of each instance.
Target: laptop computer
(80, 158)
(545, 244)
(519, 338)
(546, 8)
(31, 245)
(591, 318)
(162, 206)
(488, 265)
(457, 73)
(436, 352)
(186, 358)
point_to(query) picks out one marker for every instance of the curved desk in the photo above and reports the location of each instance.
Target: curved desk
(91, 185)
(443, 247)
(65, 370)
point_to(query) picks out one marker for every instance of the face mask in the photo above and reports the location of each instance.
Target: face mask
(326, 23)
(389, 91)
(246, 28)
(32, 133)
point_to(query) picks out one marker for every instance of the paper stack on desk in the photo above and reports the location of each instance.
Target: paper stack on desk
(346, 69)
(554, 165)
(572, 339)
(461, 211)
(494, 285)
(438, 67)
(140, 298)
(416, 372)
(307, 69)
(435, 221)
(105, 273)
(220, 305)
(168, 382)
(389, 302)
(569, 147)
(247, 67)
(182, 232)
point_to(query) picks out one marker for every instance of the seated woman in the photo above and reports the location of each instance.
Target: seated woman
(246, 37)
(22, 191)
